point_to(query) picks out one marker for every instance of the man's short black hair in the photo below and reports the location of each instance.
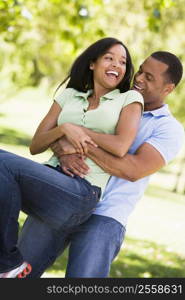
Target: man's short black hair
(175, 69)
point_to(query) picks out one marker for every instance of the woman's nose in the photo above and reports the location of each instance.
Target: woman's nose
(114, 63)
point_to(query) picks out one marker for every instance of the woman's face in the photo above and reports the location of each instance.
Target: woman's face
(109, 69)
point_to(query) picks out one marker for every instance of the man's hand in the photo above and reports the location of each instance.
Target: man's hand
(61, 147)
(74, 164)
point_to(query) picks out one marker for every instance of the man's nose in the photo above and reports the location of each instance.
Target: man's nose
(139, 77)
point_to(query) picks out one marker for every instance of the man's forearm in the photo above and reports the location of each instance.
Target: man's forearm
(146, 161)
(121, 167)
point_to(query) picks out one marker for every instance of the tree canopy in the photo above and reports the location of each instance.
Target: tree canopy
(40, 39)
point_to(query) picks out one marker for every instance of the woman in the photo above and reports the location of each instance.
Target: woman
(93, 98)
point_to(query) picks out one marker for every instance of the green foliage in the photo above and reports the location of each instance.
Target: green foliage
(40, 39)
(10, 12)
(45, 36)
(157, 9)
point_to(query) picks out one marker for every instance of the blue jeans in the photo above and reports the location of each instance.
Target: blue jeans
(92, 246)
(60, 200)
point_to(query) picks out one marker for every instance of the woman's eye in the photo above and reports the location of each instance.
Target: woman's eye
(108, 57)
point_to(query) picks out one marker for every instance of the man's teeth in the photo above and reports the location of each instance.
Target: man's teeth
(137, 87)
(113, 72)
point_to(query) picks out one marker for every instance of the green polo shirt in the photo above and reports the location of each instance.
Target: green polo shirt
(102, 119)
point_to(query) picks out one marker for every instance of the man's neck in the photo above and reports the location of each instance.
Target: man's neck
(152, 106)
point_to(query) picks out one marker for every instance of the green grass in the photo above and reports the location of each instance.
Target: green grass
(139, 258)
(154, 244)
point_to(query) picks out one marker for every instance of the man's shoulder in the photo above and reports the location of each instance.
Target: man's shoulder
(169, 122)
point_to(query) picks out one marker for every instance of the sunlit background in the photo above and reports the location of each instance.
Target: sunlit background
(38, 42)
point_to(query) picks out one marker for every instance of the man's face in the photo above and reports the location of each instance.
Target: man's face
(151, 82)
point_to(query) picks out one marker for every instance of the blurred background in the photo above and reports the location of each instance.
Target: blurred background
(38, 42)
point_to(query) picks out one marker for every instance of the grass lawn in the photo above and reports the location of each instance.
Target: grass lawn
(154, 244)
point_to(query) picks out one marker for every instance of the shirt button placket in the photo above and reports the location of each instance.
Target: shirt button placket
(83, 118)
(84, 115)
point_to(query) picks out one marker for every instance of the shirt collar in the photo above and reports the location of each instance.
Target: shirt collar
(162, 111)
(109, 95)
(83, 95)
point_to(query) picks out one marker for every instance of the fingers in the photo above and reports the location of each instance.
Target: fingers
(67, 171)
(78, 147)
(83, 145)
(73, 171)
(78, 172)
(85, 148)
(79, 169)
(90, 141)
(74, 166)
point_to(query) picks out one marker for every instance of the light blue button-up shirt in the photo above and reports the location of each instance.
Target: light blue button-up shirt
(158, 128)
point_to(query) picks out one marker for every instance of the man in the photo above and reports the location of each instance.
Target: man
(94, 244)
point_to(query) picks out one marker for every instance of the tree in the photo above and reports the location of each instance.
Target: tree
(45, 36)
(40, 39)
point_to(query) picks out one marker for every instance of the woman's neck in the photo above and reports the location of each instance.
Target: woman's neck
(98, 92)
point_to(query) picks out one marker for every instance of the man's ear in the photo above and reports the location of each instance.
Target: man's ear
(169, 88)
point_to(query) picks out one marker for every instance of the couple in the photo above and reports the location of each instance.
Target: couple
(62, 197)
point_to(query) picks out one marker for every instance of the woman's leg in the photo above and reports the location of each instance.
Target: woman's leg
(40, 244)
(59, 200)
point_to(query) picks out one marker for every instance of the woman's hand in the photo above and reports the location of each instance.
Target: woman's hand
(62, 146)
(77, 137)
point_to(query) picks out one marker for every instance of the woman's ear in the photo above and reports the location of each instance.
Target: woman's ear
(91, 67)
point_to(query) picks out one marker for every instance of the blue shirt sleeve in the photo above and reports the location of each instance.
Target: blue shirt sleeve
(168, 138)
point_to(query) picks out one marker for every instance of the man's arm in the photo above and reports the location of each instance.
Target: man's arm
(146, 161)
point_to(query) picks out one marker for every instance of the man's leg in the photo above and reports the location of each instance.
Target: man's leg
(40, 245)
(93, 246)
(59, 200)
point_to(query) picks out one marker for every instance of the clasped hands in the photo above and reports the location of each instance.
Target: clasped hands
(76, 135)
(72, 149)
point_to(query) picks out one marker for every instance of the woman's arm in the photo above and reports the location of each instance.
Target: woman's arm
(125, 134)
(48, 131)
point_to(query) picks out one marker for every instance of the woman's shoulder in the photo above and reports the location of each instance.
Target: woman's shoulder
(65, 95)
(66, 92)
(131, 96)
(133, 93)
